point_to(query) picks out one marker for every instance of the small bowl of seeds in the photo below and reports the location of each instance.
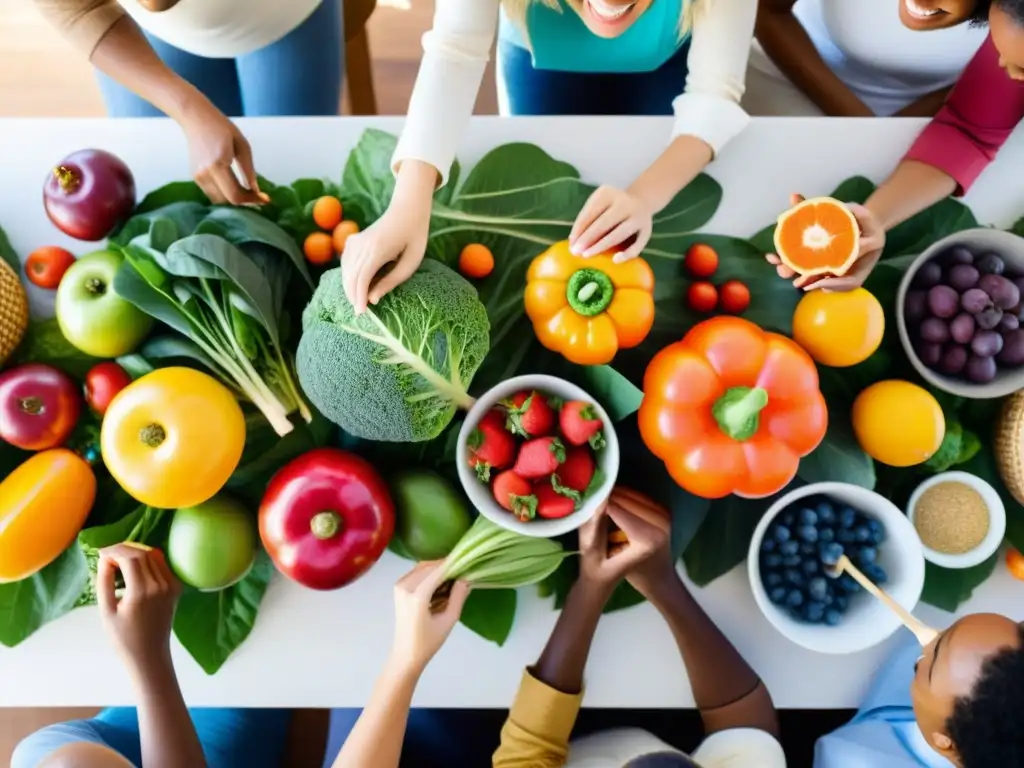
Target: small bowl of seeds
(960, 518)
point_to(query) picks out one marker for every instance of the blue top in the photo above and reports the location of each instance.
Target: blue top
(559, 40)
(883, 733)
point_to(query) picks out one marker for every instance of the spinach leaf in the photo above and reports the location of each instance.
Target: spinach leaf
(490, 613)
(45, 343)
(27, 605)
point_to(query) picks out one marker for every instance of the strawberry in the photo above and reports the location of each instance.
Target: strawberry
(490, 446)
(539, 458)
(529, 415)
(514, 494)
(550, 503)
(580, 424)
(577, 470)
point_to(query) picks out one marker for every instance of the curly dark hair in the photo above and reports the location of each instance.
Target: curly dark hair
(986, 727)
(1015, 9)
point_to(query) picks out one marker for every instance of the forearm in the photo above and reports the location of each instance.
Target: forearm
(911, 188)
(676, 167)
(787, 43)
(376, 740)
(564, 659)
(926, 106)
(166, 732)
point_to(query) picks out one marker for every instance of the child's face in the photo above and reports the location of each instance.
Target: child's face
(1008, 37)
(609, 18)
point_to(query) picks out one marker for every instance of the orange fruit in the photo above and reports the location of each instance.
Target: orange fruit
(476, 261)
(318, 248)
(327, 212)
(819, 236)
(341, 234)
(1015, 563)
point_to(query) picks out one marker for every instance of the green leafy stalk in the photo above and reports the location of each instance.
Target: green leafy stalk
(490, 556)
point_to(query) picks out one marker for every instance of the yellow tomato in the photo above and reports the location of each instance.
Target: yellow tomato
(898, 423)
(839, 329)
(173, 437)
(43, 505)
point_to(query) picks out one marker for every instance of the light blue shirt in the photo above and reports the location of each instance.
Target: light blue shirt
(883, 734)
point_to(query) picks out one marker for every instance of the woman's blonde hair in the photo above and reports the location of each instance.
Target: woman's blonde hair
(516, 12)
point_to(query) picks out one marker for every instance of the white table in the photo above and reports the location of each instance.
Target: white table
(323, 650)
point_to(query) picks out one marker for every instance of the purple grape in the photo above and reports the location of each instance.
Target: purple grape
(981, 370)
(990, 264)
(930, 354)
(975, 300)
(988, 318)
(961, 328)
(954, 358)
(958, 254)
(1019, 282)
(927, 275)
(943, 301)
(986, 343)
(915, 306)
(934, 331)
(1008, 322)
(1013, 348)
(1003, 292)
(962, 277)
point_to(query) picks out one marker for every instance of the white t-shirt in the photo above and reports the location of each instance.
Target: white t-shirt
(222, 29)
(885, 64)
(736, 748)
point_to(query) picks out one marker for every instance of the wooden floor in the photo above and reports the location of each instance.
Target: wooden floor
(40, 76)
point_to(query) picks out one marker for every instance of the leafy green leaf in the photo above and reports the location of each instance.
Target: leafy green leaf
(27, 605)
(45, 343)
(141, 525)
(839, 457)
(211, 625)
(490, 613)
(8, 254)
(175, 192)
(947, 588)
(612, 390)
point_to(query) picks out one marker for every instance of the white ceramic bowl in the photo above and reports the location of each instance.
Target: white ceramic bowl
(867, 622)
(996, 527)
(480, 494)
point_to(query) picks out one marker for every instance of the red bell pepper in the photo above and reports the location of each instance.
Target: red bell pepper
(326, 518)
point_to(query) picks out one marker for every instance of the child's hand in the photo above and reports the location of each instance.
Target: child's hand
(609, 218)
(420, 632)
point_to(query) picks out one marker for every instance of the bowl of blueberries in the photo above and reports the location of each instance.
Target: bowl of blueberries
(799, 540)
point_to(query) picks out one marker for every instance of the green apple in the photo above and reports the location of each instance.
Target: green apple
(91, 316)
(212, 545)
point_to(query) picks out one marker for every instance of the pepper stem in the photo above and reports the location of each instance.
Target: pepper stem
(67, 178)
(33, 406)
(738, 411)
(152, 435)
(589, 291)
(95, 285)
(325, 525)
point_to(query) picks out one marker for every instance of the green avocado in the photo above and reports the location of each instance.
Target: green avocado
(431, 516)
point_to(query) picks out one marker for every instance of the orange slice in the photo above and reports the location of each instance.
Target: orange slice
(819, 236)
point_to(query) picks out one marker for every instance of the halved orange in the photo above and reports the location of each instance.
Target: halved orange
(819, 236)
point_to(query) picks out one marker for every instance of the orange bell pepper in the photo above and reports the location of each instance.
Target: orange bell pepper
(588, 309)
(732, 409)
(43, 504)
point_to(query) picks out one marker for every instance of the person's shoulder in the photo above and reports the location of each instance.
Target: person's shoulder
(740, 748)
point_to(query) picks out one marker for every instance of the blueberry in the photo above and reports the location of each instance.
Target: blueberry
(782, 533)
(877, 532)
(867, 555)
(841, 603)
(876, 573)
(847, 517)
(863, 533)
(772, 560)
(793, 577)
(826, 535)
(789, 547)
(814, 612)
(795, 598)
(811, 567)
(773, 579)
(848, 584)
(807, 548)
(808, 532)
(829, 597)
(817, 588)
(788, 518)
(846, 536)
(792, 561)
(807, 516)
(833, 617)
(830, 553)
(826, 513)
(768, 544)
(778, 595)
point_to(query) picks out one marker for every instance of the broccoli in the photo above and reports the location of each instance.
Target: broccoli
(399, 371)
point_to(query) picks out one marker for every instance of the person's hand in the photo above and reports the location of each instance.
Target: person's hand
(398, 238)
(872, 241)
(140, 622)
(658, 569)
(215, 146)
(419, 631)
(608, 219)
(607, 555)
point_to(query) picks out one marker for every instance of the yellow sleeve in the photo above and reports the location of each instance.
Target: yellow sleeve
(536, 734)
(82, 22)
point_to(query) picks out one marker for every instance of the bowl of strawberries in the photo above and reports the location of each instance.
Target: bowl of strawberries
(537, 455)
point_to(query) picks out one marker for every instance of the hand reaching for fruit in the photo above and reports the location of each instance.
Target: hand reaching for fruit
(419, 631)
(609, 219)
(871, 244)
(606, 555)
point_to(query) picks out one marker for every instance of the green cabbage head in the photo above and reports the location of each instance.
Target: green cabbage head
(399, 371)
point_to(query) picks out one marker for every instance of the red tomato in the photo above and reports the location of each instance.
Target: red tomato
(702, 297)
(735, 297)
(701, 260)
(39, 406)
(102, 382)
(46, 266)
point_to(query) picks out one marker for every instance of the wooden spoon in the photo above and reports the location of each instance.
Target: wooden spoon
(922, 632)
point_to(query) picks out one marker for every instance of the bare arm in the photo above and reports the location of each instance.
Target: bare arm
(786, 41)
(926, 106)
(911, 188)
(166, 731)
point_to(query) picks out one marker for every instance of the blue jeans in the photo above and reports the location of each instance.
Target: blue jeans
(300, 74)
(531, 91)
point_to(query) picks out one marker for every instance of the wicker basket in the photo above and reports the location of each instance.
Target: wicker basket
(1009, 445)
(13, 311)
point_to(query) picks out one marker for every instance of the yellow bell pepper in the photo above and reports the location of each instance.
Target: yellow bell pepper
(586, 309)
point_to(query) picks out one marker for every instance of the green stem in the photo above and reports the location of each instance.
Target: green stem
(325, 525)
(738, 411)
(589, 291)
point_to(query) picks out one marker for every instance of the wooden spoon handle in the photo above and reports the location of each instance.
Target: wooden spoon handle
(924, 633)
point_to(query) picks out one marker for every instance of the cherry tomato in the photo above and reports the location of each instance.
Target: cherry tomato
(701, 260)
(702, 296)
(46, 266)
(735, 297)
(102, 382)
